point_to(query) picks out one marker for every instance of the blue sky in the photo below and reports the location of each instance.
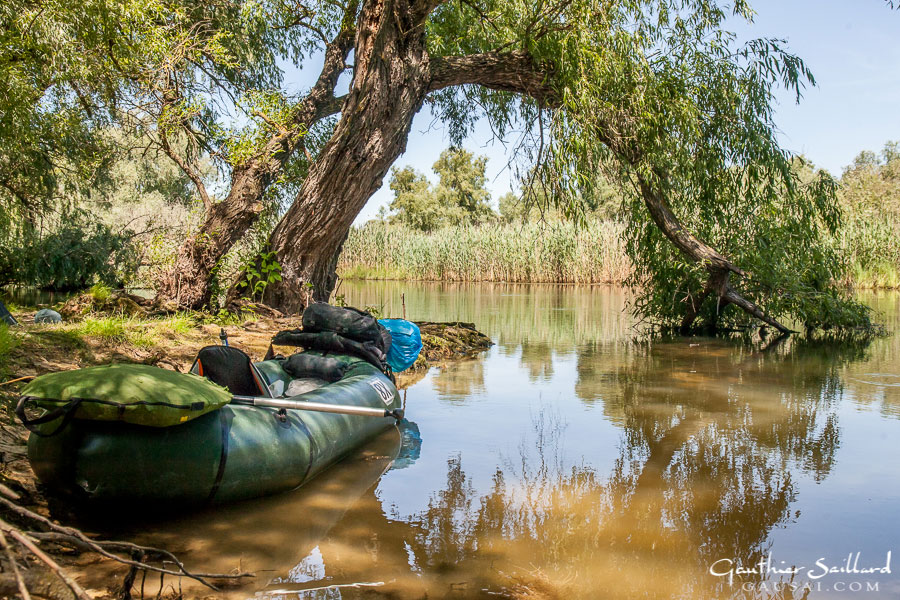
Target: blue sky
(851, 46)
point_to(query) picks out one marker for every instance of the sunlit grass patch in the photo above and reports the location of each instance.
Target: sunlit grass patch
(179, 324)
(117, 329)
(100, 292)
(878, 276)
(223, 318)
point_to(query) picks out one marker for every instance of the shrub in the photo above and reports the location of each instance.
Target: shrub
(74, 255)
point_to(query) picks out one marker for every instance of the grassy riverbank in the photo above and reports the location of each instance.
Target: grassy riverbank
(92, 336)
(562, 253)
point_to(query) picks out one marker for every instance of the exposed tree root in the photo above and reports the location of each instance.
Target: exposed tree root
(140, 558)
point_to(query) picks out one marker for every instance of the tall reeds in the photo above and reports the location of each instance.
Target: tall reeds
(559, 252)
(531, 253)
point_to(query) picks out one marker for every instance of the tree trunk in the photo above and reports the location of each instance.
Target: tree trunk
(393, 74)
(391, 80)
(188, 283)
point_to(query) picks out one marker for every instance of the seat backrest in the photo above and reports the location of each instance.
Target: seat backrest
(274, 376)
(230, 368)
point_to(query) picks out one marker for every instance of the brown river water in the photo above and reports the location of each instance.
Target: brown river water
(577, 459)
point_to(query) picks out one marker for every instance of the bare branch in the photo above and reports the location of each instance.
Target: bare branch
(23, 539)
(186, 168)
(20, 582)
(276, 126)
(74, 537)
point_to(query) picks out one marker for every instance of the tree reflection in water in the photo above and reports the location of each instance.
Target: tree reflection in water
(706, 470)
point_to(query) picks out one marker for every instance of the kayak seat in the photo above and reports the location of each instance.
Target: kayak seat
(232, 369)
(274, 376)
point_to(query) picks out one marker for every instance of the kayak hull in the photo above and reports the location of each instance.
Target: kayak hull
(233, 453)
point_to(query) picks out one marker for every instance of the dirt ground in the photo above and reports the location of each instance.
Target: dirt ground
(92, 337)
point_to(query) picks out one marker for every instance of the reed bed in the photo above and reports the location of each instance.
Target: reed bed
(530, 253)
(871, 247)
(563, 253)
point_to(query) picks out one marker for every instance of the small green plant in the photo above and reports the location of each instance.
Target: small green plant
(260, 274)
(179, 324)
(107, 328)
(222, 318)
(375, 311)
(100, 292)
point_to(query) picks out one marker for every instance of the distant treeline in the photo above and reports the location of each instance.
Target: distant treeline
(452, 232)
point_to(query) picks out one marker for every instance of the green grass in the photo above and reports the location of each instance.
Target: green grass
(117, 329)
(8, 342)
(871, 247)
(223, 318)
(100, 292)
(142, 333)
(179, 324)
(561, 253)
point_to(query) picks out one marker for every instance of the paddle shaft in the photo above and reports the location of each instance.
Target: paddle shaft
(340, 409)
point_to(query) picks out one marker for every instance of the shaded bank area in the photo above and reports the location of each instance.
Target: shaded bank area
(100, 328)
(117, 327)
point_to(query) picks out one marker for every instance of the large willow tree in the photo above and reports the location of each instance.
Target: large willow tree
(658, 94)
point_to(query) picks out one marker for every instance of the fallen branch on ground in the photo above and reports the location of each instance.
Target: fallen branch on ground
(74, 538)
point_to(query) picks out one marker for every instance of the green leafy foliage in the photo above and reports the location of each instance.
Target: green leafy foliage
(8, 342)
(635, 99)
(870, 198)
(168, 71)
(787, 248)
(260, 274)
(661, 98)
(75, 254)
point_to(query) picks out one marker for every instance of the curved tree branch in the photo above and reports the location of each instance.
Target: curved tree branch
(516, 71)
(683, 239)
(513, 71)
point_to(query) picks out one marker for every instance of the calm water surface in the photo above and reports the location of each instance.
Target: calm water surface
(574, 460)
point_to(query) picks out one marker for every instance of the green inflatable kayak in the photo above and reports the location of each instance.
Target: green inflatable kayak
(217, 451)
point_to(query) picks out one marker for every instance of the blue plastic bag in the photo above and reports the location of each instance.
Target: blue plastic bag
(406, 343)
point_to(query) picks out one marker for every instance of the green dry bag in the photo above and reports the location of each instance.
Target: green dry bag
(139, 394)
